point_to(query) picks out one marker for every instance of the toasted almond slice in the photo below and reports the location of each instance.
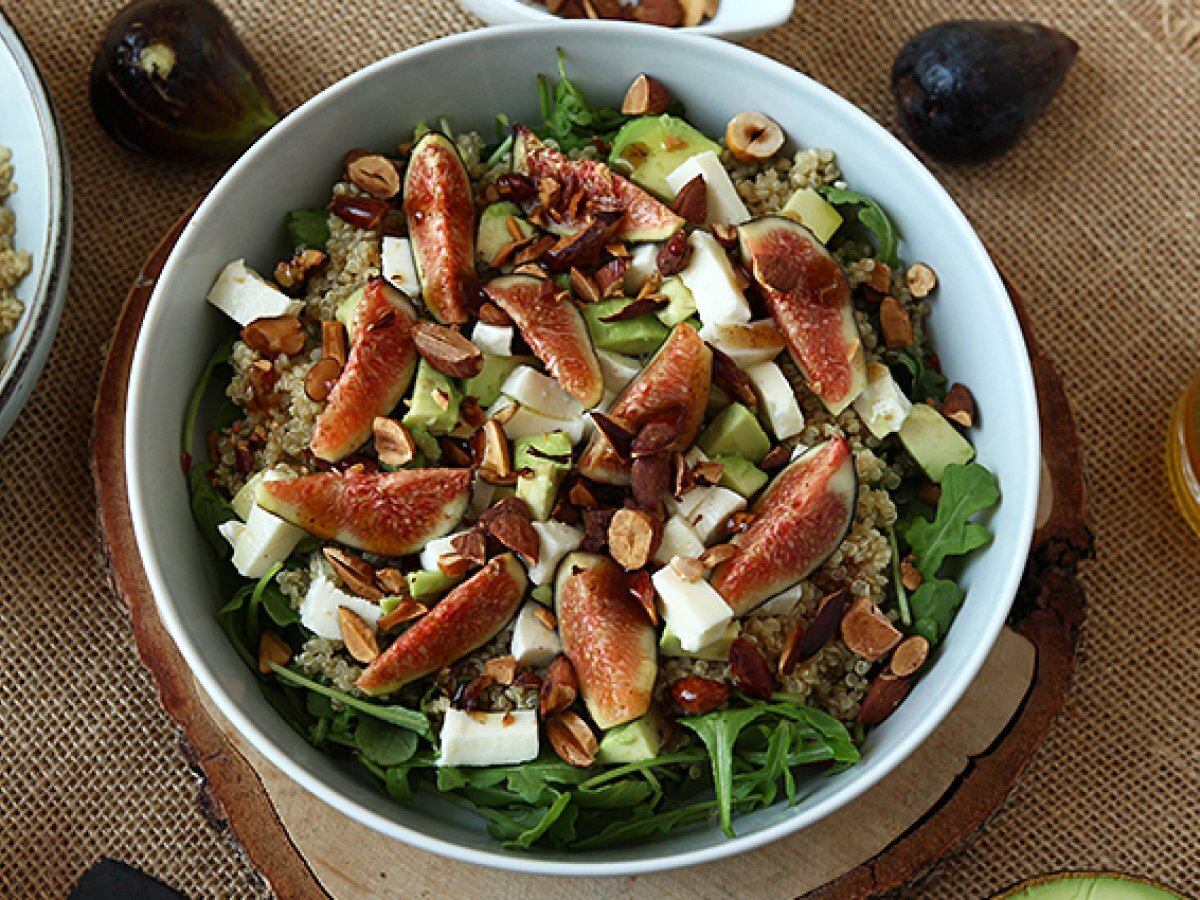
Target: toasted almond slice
(560, 687)
(497, 455)
(356, 572)
(572, 739)
(453, 565)
(333, 341)
(959, 406)
(714, 556)
(392, 581)
(867, 631)
(447, 351)
(406, 610)
(272, 649)
(896, 323)
(501, 668)
(883, 696)
(909, 656)
(688, 568)
(321, 378)
(545, 617)
(358, 636)
(394, 444)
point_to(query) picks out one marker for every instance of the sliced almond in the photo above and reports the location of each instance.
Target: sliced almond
(392, 581)
(753, 137)
(272, 649)
(867, 631)
(584, 286)
(358, 636)
(560, 687)
(909, 656)
(453, 565)
(641, 587)
(572, 739)
(714, 556)
(291, 274)
(692, 201)
(633, 537)
(896, 323)
(878, 275)
(910, 575)
(406, 610)
(394, 444)
(447, 351)
(496, 464)
(274, 336)
(688, 568)
(883, 696)
(355, 572)
(375, 174)
(491, 314)
(659, 12)
(472, 545)
(545, 617)
(921, 280)
(646, 97)
(333, 341)
(502, 668)
(777, 458)
(708, 472)
(959, 406)
(804, 643)
(511, 523)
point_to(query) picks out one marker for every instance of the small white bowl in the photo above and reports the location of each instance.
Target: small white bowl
(736, 20)
(42, 204)
(469, 78)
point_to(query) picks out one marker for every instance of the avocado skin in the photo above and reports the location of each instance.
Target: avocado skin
(967, 90)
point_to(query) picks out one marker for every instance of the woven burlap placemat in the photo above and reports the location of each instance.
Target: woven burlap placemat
(1094, 216)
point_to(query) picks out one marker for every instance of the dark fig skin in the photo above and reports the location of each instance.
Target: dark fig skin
(171, 79)
(967, 90)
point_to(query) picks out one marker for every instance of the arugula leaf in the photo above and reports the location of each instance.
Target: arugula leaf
(210, 508)
(923, 380)
(231, 621)
(253, 627)
(219, 358)
(901, 591)
(873, 218)
(644, 822)
(719, 731)
(966, 490)
(935, 604)
(569, 119)
(400, 716)
(289, 704)
(385, 744)
(667, 759)
(619, 795)
(307, 228)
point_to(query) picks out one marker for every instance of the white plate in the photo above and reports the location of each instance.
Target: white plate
(736, 20)
(42, 205)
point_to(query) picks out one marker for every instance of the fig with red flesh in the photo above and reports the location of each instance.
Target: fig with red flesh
(555, 332)
(809, 298)
(464, 620)
(644, 218)
(389, 513)
(798, 522)
(440, 209)
(675, 383)
(378, 371)
(608, 637)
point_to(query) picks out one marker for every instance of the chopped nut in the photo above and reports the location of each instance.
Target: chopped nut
(749, 669)
(740, 521)
(272, 649)
(502, 668)
(472, 413)
(511, 523)
(394, 444)
(642, 590)
(650, 478)
(392, 581)
(503, 415)
(692, 201)
(697, 696)
(584, 286)
(496, 464)
(867, 631)
(674, 255)
(583, 248)
(355, 572)
(878, 275)
(545, 617)
(803, 644)
(275, 336)
(714, 556)
(883, 696)
(777, 458)
(470, 695)
(581, 495)
(651, 285)
(959, 406)
(896, 323)
(708, 472)
(921, 280)
(358, 636)
(617, 249)
(910, 575)
(513, 227)
(491, 314)
(560, 686)
(453, 454)
(633, 536)
(658, 436)
(610, 278)
(292, 274)
(447, 351)
(321, 378)
(441, 398)
(453, 565)
(753, 137)
(375, 174)
(365, 213)
(688, 568)
(406, 610)
(726, 235)
(619, 437)
(333, 341)
(595, 529)
(909, 656)
(646, 97)
(472, 545)
(572, 739)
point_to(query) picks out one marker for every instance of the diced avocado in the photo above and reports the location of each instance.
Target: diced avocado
(634, 741)
(933, 442)
(648, 149)
(741, 475)
(486, 385)
(718, 650)
(346, 310)
(735, 430)
(637, 336)
(428, 448)
(814, 212)
(682, 304)
(540, 489)
(425, 584)
(439, 416)
(543, 594)
(717, 401)
(493, 230)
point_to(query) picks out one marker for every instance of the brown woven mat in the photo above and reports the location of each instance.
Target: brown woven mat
(1095, 216)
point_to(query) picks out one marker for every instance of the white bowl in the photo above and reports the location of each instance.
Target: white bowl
(736, 20)
(42, 205)
(469, 78)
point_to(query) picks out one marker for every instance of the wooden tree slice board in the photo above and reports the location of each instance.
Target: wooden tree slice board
(892, 836)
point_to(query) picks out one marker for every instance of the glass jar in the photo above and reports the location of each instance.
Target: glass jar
(1183, 453)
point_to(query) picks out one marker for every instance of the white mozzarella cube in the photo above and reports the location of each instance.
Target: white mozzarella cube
(494, 339)
(781, 604)
(540, 393)
(244, 295)
(715, 286)
(527, 423)
(319, 609)
(488, 739)
(231, 530)
(436, 548)
(617, 369)
(678, 539)
(754, 342)
(643, 262)
(724, 204)
(709, 517)
(265, 540)
(399, 266)
(693, 609)
(777, 399)
(557, 540)
(533, 644)
(482, 495)
(882, 405)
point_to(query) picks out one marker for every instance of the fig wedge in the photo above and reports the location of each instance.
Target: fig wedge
(643, 217)
(556, 332)
(608, 637)
(389, 513)
(441, 225)
(798, 522)
(809, 298)
(676, 382)
(377, 374)
(464, 620)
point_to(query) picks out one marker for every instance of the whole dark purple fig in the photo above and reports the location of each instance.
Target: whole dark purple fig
(172, 79)
(967, 90)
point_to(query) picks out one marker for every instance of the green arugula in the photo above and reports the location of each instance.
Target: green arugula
(934, 605)
(897, 583)
(384, 744)
(210, 507)
(399, 716)
(966, 490)
(924, 381)
(568, 118)
(307, 228)
(873, 218)
(219, 358)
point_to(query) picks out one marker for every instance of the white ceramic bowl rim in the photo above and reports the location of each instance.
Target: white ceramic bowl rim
(140, 495)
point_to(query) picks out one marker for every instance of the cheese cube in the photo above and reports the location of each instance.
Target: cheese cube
(882, 405)
(244, 295)
(319, 609)
(264, 541)
(437, 547)
(527, 423)
(557, 540)
(777, 399)
(540, 393)
(398, 265)
(533, 644)
(724, 204)
(783, 604)
(643, 262)
(715, 286)
(488, 739)
(693, 609)
(617, 369)
(709, 517)
(678, 539)
(494, 339)
(754, 342)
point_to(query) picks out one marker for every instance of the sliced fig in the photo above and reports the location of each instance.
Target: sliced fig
(464, 620)
(377, 374)
(441, 225)
(644, 218)
(674, 384)
(608, 637)
(798, 522)
(809, 298)
(555, 331)
(389, 513)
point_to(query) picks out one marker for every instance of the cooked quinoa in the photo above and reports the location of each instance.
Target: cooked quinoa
(14, 264)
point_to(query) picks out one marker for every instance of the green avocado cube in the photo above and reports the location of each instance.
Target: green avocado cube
(423, 584)
(493, 231)
(539, 489)
(634, 741)
(650, 148)
(814, 212)
(543, 594)
(933, 442)
(735, 430)
(486, 385)
(718, 650)
(681, 305)
(435, 401)
(741, 475)
(347, 310)
(636, 336)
